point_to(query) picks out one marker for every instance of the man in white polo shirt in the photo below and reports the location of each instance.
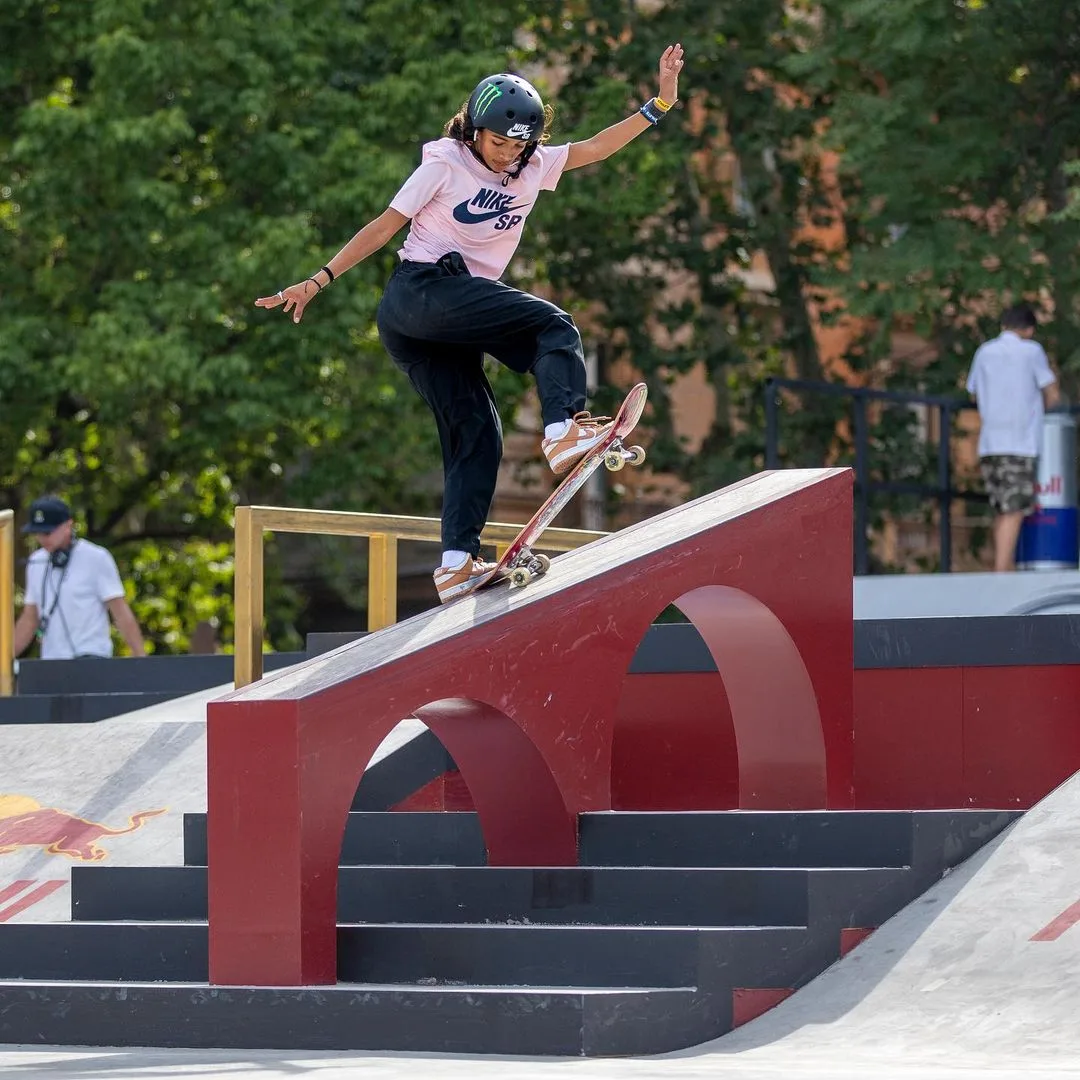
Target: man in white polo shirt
(1012, 383)
(72, 586)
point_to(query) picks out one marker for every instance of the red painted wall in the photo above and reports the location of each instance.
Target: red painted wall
(982, 737)
(674, 745)
(925, 738)
(909, 738)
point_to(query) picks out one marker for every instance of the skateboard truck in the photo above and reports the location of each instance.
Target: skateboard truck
(617, 455)
(528, 565)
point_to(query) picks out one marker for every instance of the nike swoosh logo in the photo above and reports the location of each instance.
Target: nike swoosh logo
(466, 216)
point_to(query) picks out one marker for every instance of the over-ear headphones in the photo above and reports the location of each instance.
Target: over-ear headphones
(62, 556)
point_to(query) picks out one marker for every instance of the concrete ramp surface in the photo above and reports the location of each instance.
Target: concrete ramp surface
(113, 792)
(983, 971)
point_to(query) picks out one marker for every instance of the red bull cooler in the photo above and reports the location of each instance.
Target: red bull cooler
(1048, 537)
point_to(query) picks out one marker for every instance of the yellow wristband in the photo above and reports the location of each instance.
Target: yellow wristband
(661, 104)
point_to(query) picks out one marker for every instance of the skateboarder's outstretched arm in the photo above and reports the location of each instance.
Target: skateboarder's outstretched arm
(607, 142)
(374, 235)
(295, 298)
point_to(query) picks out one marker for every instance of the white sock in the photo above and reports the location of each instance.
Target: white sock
(454, 560)
(557, 430)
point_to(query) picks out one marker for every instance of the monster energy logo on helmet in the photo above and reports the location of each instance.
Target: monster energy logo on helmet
(507, 105)
(487, 97)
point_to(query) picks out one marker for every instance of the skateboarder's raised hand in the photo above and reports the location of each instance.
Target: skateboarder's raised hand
(614, 138)
(444, 306)
(671, 63)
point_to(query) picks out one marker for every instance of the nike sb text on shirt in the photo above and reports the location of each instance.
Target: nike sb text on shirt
(486, 206)
(456, 204)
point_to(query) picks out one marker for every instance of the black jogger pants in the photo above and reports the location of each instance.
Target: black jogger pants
(437, 321)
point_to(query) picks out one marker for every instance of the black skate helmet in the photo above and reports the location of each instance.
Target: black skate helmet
(507, 105)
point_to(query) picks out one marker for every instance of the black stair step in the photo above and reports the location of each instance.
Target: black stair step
(727, 838)
(440, 1019)
(140, 893)
(393, 778)
(594, 956)
(493, 955)
(383, 839)
(394, 894)
(724, 838)
(104, 952)
(804, 838)
(827, 838)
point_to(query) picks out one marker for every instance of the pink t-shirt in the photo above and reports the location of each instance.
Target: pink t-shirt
(456, 204)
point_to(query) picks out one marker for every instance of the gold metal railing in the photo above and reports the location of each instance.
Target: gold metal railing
(383, 533)
(7, 602)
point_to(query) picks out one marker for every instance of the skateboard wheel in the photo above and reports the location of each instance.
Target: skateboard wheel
(637, 455)
(543, 564)
(614, 460)
(520, 576)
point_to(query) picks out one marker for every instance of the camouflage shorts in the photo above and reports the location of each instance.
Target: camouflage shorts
(1010, 482)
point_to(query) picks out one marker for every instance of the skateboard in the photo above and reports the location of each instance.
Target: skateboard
(520, 564)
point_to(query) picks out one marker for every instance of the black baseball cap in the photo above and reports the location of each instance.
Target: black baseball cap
(46, 514)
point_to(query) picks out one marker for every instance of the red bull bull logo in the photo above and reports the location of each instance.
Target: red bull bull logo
(25, 823)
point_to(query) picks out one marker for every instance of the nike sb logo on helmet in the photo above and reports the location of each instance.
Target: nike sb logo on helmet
(519, 131)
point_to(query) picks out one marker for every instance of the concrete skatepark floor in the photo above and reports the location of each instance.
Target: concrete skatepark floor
(764, 1064)
(152, 760)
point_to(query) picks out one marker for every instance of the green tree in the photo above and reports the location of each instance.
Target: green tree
(663, 236)
(161, 165)
(957, 122)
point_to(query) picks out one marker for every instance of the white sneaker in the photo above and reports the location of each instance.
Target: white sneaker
(585, 432)
(454, 582)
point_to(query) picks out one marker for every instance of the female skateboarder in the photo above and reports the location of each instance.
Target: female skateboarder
(444, 306)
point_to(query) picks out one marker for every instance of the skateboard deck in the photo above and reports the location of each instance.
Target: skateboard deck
(520, 564)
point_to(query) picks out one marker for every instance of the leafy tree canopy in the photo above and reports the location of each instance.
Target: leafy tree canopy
(161, 165)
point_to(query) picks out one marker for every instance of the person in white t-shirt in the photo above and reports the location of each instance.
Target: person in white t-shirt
(72, 587)
(1012, 383)
(444, 306)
